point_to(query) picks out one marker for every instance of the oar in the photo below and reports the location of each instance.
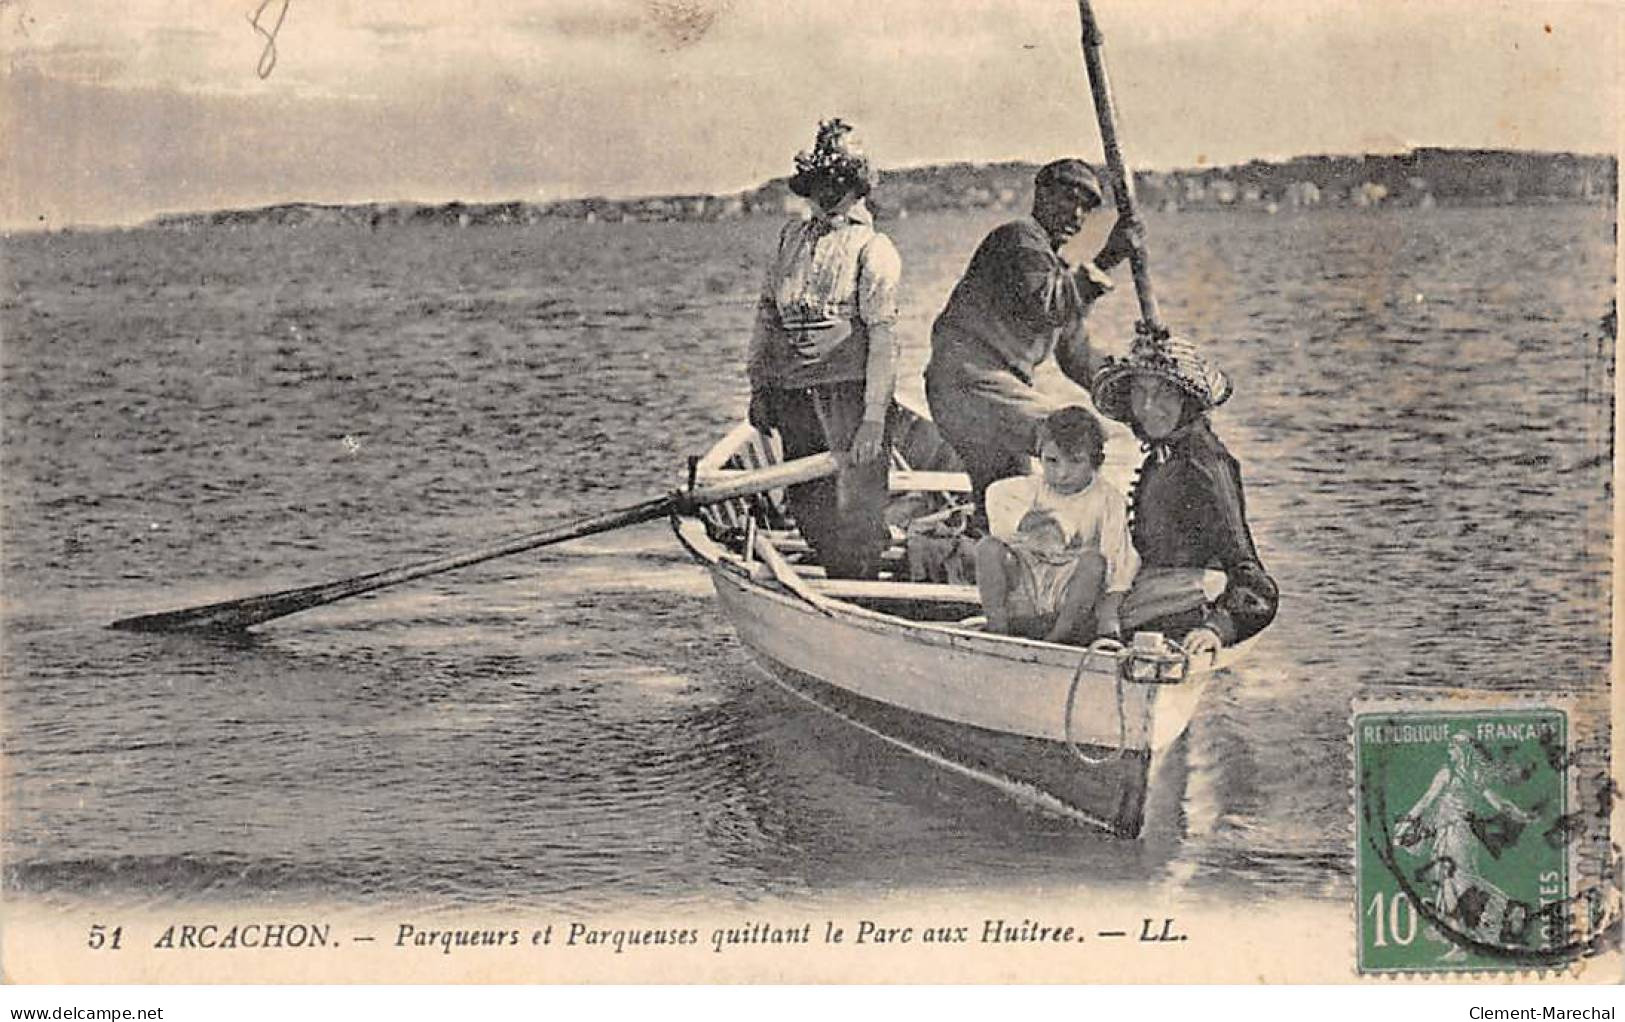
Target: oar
(236, 615)
(1123, 181)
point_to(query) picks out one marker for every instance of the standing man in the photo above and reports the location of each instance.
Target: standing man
(1018, 303)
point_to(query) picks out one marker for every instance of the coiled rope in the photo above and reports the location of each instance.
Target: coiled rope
(1101, 647)
(1123, 672)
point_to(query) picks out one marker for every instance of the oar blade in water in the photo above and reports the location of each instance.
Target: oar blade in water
(231, 616)
(236, 615)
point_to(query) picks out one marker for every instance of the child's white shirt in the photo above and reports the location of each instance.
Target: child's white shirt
(1024, 511)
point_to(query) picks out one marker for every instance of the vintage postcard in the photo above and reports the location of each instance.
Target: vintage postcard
(716, 491)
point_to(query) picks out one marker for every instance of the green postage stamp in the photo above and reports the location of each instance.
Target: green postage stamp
(1470, 823)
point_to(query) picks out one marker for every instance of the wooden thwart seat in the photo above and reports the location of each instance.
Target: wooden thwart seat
(899, 480)
(919, 592)
(812, 578)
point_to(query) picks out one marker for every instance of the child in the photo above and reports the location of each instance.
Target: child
(1057, 559)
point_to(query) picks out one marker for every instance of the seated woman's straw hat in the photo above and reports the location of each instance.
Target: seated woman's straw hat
(1170, 358)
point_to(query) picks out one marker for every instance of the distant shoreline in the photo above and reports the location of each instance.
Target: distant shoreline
(1418, 178)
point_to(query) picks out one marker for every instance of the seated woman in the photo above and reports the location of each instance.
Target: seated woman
(1057, 559)
(1188, 511)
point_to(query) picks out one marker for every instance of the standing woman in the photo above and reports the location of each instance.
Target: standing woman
(823, 359)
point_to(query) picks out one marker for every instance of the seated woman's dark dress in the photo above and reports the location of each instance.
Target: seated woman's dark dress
(1187, 511)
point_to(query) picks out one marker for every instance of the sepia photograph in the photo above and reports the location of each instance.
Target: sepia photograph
(718, 491)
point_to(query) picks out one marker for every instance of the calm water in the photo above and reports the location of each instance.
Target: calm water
(1422, 420)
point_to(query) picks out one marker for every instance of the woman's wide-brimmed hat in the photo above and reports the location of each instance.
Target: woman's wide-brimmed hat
(1169, 358)
(836, 158)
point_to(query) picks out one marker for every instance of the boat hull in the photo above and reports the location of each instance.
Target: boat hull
(1109, 794)
(988, 707)
(993, 682)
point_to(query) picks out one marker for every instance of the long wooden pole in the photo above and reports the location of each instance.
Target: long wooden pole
(1122, 180)
(237, 615)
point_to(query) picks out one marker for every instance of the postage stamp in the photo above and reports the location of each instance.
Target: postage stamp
(1470, 821)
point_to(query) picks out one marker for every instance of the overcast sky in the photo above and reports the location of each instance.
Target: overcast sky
(112, 110)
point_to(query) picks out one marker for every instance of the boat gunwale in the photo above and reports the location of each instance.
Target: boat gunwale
(691, 533)
(1011, 648)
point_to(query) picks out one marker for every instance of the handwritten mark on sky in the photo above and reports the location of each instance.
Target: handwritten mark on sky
(268, 55)
(23, 17)
(684, 22)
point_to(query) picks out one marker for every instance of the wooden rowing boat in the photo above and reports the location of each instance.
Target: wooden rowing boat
(1082, 731)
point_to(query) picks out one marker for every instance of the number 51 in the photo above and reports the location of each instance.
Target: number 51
(100, 938)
